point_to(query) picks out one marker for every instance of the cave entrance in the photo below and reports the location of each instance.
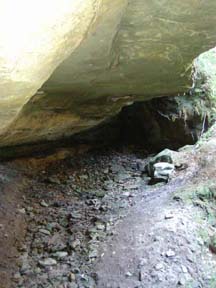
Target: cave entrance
(165, 122)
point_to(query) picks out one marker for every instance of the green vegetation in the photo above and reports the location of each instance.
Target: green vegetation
(204, 192)
(206, 136)
(204, 197)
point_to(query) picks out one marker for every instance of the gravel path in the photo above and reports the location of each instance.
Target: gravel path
(157, 245)
(93, 221)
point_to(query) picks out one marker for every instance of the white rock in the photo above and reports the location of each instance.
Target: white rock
(163, 170)
(128, 274)
(170, 253)
(60, 254)
(48, 262)
(182, 282)
(159, 266)
(44, 204)
(184, 269)
(44, 231)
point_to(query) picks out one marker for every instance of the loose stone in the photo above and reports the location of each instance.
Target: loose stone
(168, 216)
(128, 274)
(60, 255)
(159, 266)
(182, 282)
(44, 231)
(43, 204)
(170, 253)
(72, 277)
(184, 269)
(48, 262)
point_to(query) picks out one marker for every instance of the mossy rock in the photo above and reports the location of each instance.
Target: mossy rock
(206, 192)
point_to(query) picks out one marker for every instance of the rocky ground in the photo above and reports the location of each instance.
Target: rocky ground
(94, 221)
(70, 209)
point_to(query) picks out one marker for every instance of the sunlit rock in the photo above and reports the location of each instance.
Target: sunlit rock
(68, 65)
(35, 37)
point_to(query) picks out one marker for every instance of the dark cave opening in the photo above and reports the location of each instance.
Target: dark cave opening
(150, 125)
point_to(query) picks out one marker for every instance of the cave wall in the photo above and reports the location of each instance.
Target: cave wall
(79, 62)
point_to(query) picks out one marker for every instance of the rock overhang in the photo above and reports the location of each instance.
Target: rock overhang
(112, 53)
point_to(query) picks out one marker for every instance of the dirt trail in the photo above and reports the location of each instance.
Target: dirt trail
(156, 245)
(12, 224)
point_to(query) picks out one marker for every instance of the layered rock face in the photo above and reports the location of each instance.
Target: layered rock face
(67, 65)
(35, 37)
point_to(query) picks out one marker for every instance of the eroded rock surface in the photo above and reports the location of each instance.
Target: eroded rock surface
(35, 38)
(114, 52)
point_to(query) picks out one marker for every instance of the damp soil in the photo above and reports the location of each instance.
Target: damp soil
(92, 220)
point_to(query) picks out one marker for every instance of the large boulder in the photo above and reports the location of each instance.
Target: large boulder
(92, 57)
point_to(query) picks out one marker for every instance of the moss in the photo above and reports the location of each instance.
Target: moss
(206, 136)
(204, 197)
(205, 191)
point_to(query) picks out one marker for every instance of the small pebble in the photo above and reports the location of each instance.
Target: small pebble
(141, 275)
(159, 266)
(22, 211)
(72, 277)
(47, 262)
(43, 204)
(168, 216)
(182, 282)
(128, 274)
(184, 269)
(60, 255)
(170, 253)
(44, 231)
